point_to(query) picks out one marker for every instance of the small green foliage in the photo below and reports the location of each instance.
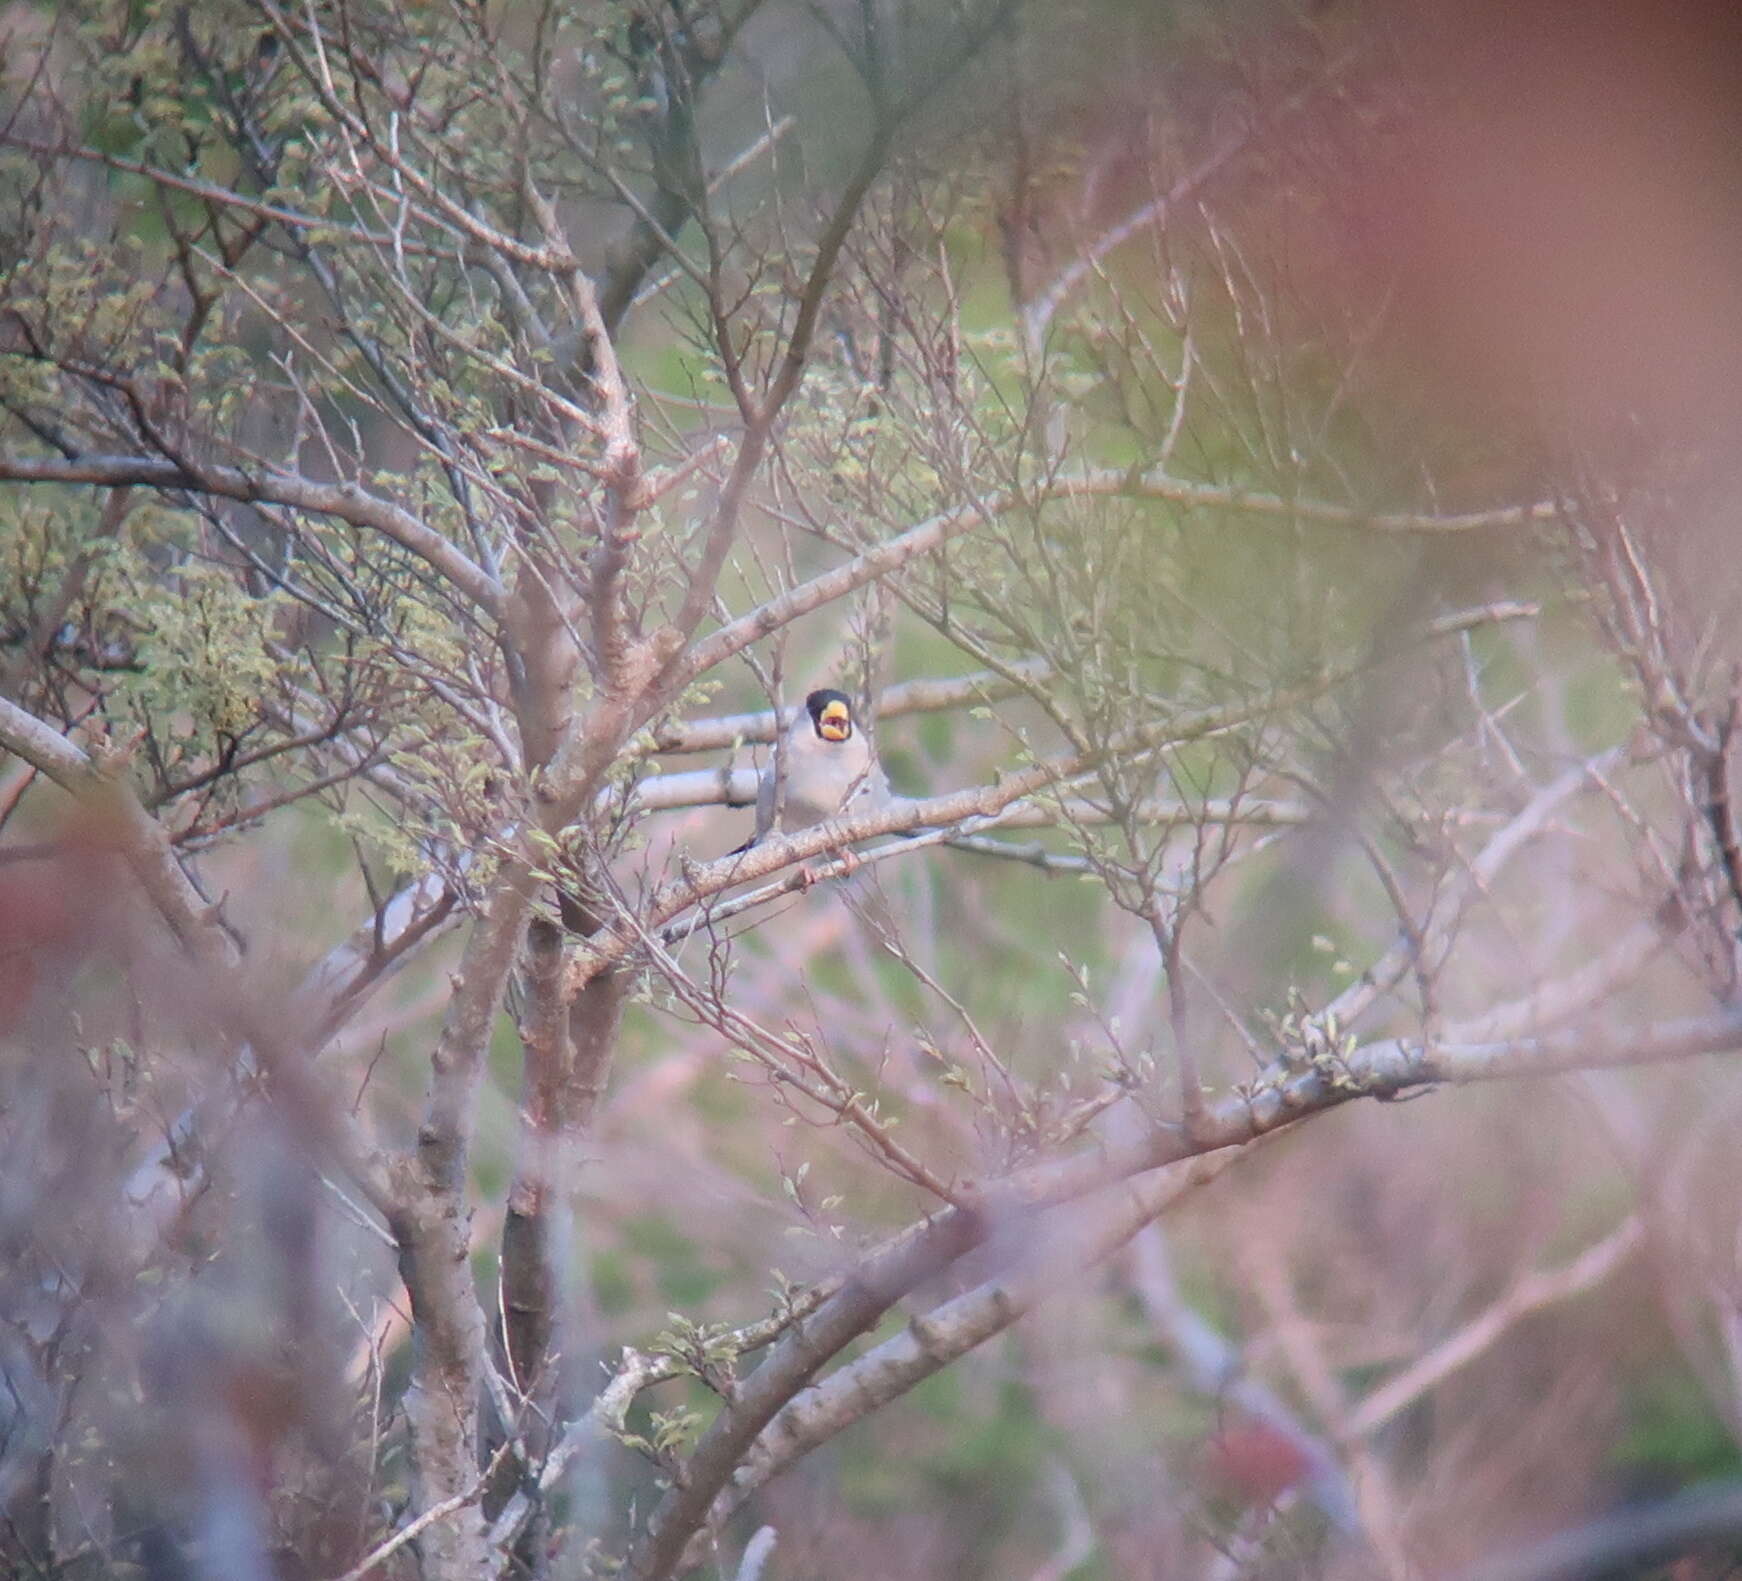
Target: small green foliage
(703, 1351)
(1670, 1432)
(207, 666)
(1315, 1042)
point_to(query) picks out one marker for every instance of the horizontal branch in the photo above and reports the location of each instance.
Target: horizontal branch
(218, 195)
(972, 835)
(1288, 1091)
(1604, 1546)
(1255, 502)
(910, 697)
(976, 802)
(349, 502)
(735, 785)
(727, 786)
(939, 530)
(977, 809)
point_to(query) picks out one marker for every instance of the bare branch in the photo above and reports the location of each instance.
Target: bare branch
(349, 502)
(1530, 1294)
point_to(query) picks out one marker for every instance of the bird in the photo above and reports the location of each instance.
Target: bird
(824, 766)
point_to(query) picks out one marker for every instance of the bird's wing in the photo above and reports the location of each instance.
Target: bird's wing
(784, 757)
(765, 800)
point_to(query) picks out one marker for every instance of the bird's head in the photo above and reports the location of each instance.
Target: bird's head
(831, 714)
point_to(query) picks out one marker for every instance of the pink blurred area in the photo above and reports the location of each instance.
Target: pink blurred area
(1564, 212)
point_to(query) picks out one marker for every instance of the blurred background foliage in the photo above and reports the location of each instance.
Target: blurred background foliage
(1277, 309)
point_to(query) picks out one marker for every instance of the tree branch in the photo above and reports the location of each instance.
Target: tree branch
(1530, 1294)
(1060, 1251)
(349, 502)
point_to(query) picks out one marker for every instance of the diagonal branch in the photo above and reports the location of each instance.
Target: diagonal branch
(1282, 1098)
(1056, 1257)
(98, 783)
(349, 502)
(939, 530)
(869, 1292)
(1531, 1294)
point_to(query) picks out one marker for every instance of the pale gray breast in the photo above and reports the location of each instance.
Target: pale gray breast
(819, 777)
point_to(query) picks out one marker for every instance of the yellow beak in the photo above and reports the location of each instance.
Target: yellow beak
(835, 724)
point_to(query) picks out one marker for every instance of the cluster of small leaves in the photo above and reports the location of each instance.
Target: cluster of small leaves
(1308, 1041)
(705, 1351)
(206, 657)
(79, 302)
(668, 1435)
